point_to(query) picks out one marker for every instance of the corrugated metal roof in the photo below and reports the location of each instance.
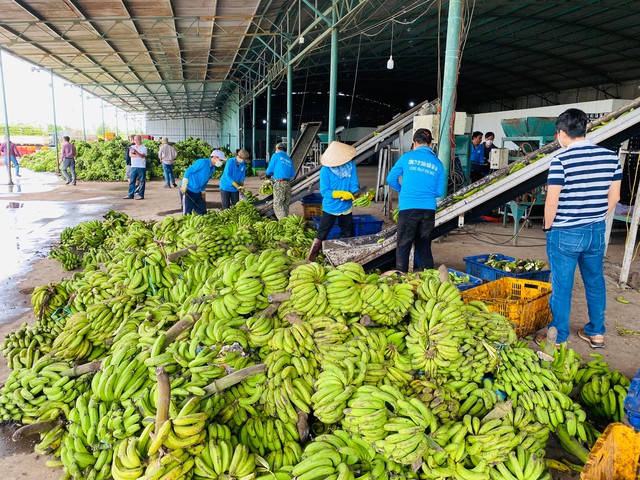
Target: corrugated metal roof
(184, 57)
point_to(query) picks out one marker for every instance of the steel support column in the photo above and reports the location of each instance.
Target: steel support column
(289, 102)
(268, 133)
(448, 100)
(84, 128)
(333, 76)
(55, 123)
(253, 129)
(7, 136)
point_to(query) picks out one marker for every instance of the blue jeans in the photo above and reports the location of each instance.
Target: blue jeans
(168, 174)
(194, 202)
(15, 164)
(137, 174)
(584, 247)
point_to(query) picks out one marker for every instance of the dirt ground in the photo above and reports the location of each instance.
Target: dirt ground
(93, 199)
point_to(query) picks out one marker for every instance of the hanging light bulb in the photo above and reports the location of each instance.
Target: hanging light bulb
(390, 61)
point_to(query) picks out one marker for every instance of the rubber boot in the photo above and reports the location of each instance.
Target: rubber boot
(316, 246)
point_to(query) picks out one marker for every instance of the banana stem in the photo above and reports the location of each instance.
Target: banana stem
(230, 380)
(172, 257)
(279, 297)
(33, 429)
(269, 311)
(292, 318)
(82, 369)
(186, 323)
(302, 425)
(164, 397)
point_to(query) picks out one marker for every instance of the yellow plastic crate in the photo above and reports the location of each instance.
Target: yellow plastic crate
(615, 456)
(311, 210)
(525, 303)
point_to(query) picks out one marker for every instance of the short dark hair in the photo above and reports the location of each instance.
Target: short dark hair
(423, 135)
(65, 138)
(475, 134)
(573, 122)
(489, 134)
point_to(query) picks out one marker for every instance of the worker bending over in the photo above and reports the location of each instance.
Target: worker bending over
(194, 183)
(232, 180)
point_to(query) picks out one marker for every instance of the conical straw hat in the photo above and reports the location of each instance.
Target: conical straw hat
(337, 154)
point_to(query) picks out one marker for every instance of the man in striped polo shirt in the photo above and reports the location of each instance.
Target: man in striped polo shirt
(583, 188)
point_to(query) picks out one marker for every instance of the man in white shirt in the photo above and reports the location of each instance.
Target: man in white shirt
(138, 153)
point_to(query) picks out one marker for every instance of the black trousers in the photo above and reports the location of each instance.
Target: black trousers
(345, 222)
(414, 228)
(229, 199)
(193, 202)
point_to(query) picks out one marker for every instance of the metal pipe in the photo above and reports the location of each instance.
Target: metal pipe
(116, 121)
(184, 124)
(7, 136)
(289, 101)
(333, 78)
(448, 100)
(55, 123)
(84, 129)
(104, 127)
(253, 129)
(268, 132)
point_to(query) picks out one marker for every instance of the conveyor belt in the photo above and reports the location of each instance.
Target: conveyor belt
(376, 250)
(365, 147)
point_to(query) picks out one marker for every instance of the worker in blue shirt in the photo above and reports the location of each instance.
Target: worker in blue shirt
(232, 180)
(423, 180)
(281, 169)
(194, 182)
(338, 183)
(479, 167)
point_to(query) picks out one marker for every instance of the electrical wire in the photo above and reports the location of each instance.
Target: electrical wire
(355, 78)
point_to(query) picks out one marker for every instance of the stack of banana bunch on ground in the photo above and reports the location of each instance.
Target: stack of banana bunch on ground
(171, 355)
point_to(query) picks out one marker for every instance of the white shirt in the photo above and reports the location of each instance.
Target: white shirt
(138, 162)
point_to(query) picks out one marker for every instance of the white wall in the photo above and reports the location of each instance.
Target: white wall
(175, 130)
(490, 122)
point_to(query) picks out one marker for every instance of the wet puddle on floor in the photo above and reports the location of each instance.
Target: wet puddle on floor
(29, 229)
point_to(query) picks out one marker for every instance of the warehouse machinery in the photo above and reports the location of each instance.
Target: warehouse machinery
(498, 188)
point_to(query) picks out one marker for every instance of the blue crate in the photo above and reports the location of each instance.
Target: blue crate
(366, 225)
(362, 225)
(476, 267)
(314, 198)
(333, 233)
(632, 403)
(473, 281)
(259, 163)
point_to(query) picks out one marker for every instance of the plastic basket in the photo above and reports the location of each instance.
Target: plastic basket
(366, 225)
(615, 455)
(632, 402)
(473, 281)
(313, 198)
(311, 210)
(476, 267)
(525, 303)
(333, 233)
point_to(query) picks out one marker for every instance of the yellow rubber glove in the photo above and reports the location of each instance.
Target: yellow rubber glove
(183, 185)
(342, 195)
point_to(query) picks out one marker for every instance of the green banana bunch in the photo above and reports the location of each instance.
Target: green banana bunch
(219, 459)
(339, 455)
(334, 387)
(266, 188)
(121, 374)
(521, 464)
(47, 299)
(387, 301)
(266, 435)
(308, 292)
(68, 259)
(365, 199)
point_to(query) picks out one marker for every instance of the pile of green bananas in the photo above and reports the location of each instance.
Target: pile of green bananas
(201, 347)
